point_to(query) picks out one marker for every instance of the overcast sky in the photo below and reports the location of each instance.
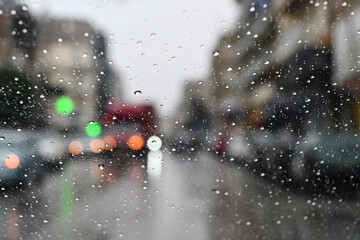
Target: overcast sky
(156, 45)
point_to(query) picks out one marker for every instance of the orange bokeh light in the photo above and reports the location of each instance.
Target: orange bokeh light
(12, 161)
(75, 147)
(136, 142)
(110, 143)
(97, 145)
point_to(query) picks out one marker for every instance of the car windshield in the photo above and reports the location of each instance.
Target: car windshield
(195, 119)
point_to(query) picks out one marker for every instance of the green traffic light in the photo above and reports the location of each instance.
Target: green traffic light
(93, 129)
(64, 105)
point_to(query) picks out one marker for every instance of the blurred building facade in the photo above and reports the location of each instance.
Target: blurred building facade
(18, 36)
(276, 43)
(72, 60)
(194, 106)
(53, 57)
(19, 89)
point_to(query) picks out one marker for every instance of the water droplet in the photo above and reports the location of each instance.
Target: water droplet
(60, 40)
(200, 82)
(101, 166)
(92, 122)
(42, 96)
(266, 62)
(84, 55)
(153, 35)
(216, 53)
(252, 9)
(137, 92)
(2, 138)
(229, 69)
(80, 83)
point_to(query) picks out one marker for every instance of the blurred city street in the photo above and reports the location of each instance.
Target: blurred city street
(179, 120)
(195, 196)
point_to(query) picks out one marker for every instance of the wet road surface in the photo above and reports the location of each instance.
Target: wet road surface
(165, 195)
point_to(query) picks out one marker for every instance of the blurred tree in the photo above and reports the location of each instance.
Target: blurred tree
(19, 100)
(24, 32)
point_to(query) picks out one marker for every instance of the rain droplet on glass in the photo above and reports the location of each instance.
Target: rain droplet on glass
(216, 53)
(137, 92)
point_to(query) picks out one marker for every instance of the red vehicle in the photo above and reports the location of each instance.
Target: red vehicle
(130, 125)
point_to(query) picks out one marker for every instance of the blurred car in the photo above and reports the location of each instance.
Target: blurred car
(327, 159)
(302, 138)
(20, 162)
(130, 125)
(52, 148)
(274, 151)
(185, 139)
(234, 140)
(235, 144)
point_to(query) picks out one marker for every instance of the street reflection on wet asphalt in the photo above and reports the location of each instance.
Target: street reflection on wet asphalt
(165, 195)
